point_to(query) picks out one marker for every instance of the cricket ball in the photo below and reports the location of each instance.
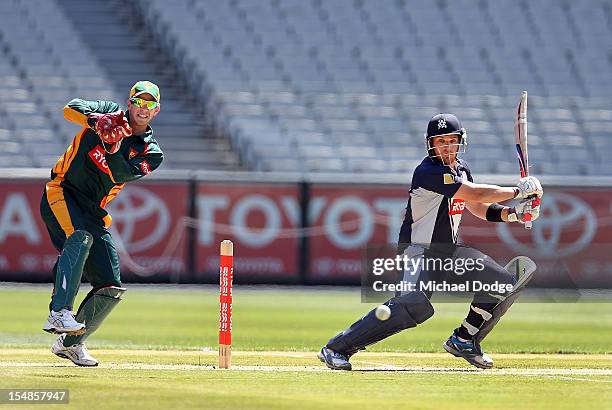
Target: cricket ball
(383, 312)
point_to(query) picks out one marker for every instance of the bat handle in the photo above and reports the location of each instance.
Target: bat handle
(528, 221)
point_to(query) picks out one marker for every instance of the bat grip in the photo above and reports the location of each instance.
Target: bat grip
(527, 217)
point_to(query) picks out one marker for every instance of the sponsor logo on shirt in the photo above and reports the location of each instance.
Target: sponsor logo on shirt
(132, 153)
(456, 207)
(145, 167)
(98, 158)
(449, 179)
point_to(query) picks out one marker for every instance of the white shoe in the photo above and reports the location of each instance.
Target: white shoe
(77, 353)
(63, 322)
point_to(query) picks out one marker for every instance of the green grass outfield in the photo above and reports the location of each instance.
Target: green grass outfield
(157, 350)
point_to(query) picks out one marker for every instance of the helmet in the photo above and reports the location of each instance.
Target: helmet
(445, 124)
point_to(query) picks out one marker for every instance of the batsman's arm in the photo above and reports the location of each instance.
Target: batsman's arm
(123, 170)
(494, 212)
(480, 209)
(77, 110)
(484, 193)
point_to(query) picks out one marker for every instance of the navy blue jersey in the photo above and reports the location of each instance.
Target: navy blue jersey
(432, 214)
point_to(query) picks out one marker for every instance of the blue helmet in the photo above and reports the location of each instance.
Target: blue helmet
(445, 124)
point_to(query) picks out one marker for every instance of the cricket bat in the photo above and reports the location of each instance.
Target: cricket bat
(520, 132)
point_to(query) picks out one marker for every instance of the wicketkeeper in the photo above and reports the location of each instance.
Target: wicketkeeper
(112, 148)
(442, 187)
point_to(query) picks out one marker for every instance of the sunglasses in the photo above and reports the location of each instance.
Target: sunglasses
(139, 102)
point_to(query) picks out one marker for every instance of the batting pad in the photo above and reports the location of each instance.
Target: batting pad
(94, 309)
(407, 311)
(524, 269)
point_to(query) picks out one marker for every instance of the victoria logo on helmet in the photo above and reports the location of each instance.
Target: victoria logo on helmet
(444, 124)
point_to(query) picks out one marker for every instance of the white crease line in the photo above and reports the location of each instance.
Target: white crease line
(376, 367)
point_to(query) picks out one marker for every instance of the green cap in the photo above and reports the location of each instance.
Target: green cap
(145, 87)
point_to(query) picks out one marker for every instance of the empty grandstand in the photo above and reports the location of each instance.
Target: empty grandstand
(317, 86)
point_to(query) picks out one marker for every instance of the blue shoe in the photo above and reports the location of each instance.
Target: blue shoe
(334, 360)
(469, 350)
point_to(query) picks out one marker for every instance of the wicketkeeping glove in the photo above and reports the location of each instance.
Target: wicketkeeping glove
(111, 127)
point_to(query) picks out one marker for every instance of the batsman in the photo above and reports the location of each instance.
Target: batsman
(442, 187)
(112, 148)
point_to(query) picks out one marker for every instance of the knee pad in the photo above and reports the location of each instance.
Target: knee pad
(415, 305)
(523, 268)
(75, 252)
(79, 238)
(69, 268)
(407, 311)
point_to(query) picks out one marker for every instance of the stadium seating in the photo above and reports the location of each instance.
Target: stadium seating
(334, 86)
(57, 50)
(38, 77)
(346, 85)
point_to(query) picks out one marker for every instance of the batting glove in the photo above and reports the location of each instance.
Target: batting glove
(520, 212)
(529, 187)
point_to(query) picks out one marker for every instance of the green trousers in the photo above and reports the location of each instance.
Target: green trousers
(63, 216)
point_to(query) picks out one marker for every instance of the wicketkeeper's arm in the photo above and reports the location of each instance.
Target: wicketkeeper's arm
(123, 170)
(78, 110)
